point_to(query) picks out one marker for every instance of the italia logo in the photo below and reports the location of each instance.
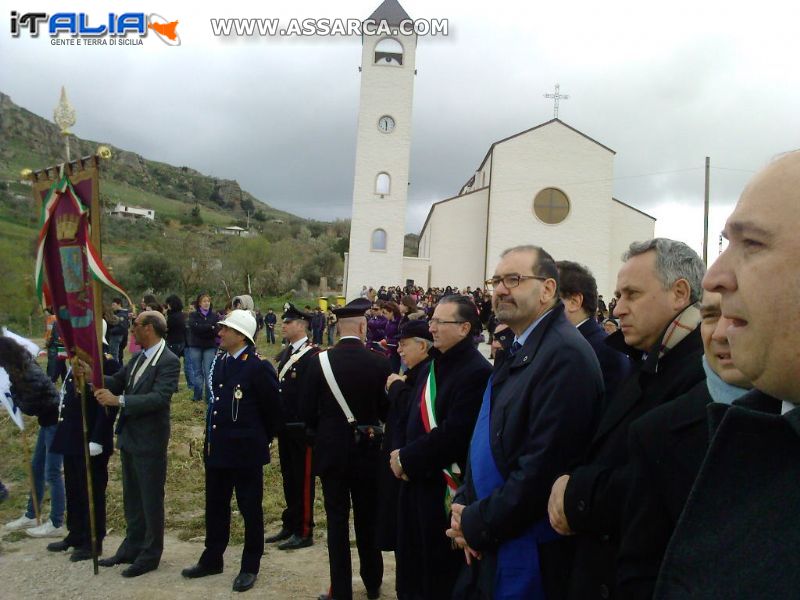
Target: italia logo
(80, 25)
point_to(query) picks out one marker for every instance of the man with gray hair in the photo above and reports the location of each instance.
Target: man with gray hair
(657, 292)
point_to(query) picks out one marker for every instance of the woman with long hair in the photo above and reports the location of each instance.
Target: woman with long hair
(201, 345)
(176, 335)
(35, 395)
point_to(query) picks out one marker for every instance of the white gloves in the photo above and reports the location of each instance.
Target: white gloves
(95, 449)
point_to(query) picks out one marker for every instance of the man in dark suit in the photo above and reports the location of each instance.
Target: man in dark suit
(342, 411)
(296, 454)
(667, 447)
(142, 390)
(68, 440)
(578, 291)
(242, 419)
(658, 288)
(536, 420)
(739, 532)
(443, 406)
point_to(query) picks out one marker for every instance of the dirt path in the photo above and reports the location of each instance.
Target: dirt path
(28, 570)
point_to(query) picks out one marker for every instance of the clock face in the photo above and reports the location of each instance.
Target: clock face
(386, 124)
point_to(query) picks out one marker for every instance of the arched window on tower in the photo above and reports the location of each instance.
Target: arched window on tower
(378, 240)
(389, 52)
(383, 184)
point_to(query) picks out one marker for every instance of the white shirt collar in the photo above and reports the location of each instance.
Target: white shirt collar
(787, 406)
(582, 322)
(299, 343)
(238, 352)
(152, 349)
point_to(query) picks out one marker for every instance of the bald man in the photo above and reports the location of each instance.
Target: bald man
(739, 532)
(142, 390)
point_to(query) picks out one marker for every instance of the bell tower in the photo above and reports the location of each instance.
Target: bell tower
(383, 145)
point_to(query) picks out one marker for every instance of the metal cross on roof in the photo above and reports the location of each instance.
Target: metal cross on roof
(556, 97)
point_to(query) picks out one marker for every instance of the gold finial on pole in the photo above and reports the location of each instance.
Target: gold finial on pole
(64, 117)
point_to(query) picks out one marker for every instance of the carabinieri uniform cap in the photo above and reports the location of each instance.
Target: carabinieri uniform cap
(292, 313)
(354, 308)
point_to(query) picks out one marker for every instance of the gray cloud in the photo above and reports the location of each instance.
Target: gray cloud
(663, 86)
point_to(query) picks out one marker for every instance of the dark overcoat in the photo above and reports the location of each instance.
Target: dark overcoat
(546, 403)
(737, 536)
(595, 496)
(427, 565)
(667, 446)
(615, 365)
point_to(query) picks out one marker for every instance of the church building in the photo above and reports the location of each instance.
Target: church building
(550, 185)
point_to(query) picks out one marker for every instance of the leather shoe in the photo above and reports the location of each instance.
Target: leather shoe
(112, 561)
(60, 546)
(244, 581)
(83, 553)
(295, 542)
(374, 594)
(137, 569)
(200, 570)
(283, 534)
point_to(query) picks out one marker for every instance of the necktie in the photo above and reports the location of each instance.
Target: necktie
(515, 347)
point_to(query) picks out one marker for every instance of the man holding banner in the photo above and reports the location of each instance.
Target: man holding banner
(142, 390)
(538, 413)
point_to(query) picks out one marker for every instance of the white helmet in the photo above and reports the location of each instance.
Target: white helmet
(243, 322)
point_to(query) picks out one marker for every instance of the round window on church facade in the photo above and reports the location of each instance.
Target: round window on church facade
(551, 206)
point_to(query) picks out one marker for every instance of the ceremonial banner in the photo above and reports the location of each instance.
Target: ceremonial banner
(66, 261)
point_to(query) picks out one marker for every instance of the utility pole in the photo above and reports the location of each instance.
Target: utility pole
(705, 212)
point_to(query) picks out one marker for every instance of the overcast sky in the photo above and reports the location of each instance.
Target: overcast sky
(664, 84)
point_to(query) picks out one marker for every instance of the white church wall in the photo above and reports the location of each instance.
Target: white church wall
(456, 235)
(386, 89)
(628, 225)
(416, 269)
(552, 156)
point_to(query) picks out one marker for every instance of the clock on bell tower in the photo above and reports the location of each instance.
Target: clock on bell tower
(383, 145)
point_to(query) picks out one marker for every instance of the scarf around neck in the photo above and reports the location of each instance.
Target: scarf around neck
(679, 329)
(721, 392)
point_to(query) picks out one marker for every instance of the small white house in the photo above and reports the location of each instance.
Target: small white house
(233, 230)
(133, 212)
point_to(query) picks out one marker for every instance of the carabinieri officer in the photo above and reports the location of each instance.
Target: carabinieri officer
(296, 454)
(243, 417)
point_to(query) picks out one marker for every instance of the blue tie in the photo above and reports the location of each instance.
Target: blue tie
(515, 347)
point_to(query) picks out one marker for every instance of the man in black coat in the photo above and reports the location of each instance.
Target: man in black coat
(578, 291)
(347, 447)
(738, 534)
(536, 420)
(667, 446)
(412, 347)
(442, 410)
(242, 419)
(68, 440)
(142, 390)
(296, 454)
(658, 288)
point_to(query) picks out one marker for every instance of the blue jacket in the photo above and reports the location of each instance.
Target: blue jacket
(239, 430)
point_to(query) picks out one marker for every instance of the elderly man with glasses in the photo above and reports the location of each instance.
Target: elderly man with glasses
(443, 406)
(536, 419)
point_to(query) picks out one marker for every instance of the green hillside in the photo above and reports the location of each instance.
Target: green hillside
(181, 251)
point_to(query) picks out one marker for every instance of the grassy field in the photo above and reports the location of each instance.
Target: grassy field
(185, 478)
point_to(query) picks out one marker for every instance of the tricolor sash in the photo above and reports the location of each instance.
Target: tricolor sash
(518, 576)
(427, 409)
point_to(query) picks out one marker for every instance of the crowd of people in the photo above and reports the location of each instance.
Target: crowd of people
(647, 449)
